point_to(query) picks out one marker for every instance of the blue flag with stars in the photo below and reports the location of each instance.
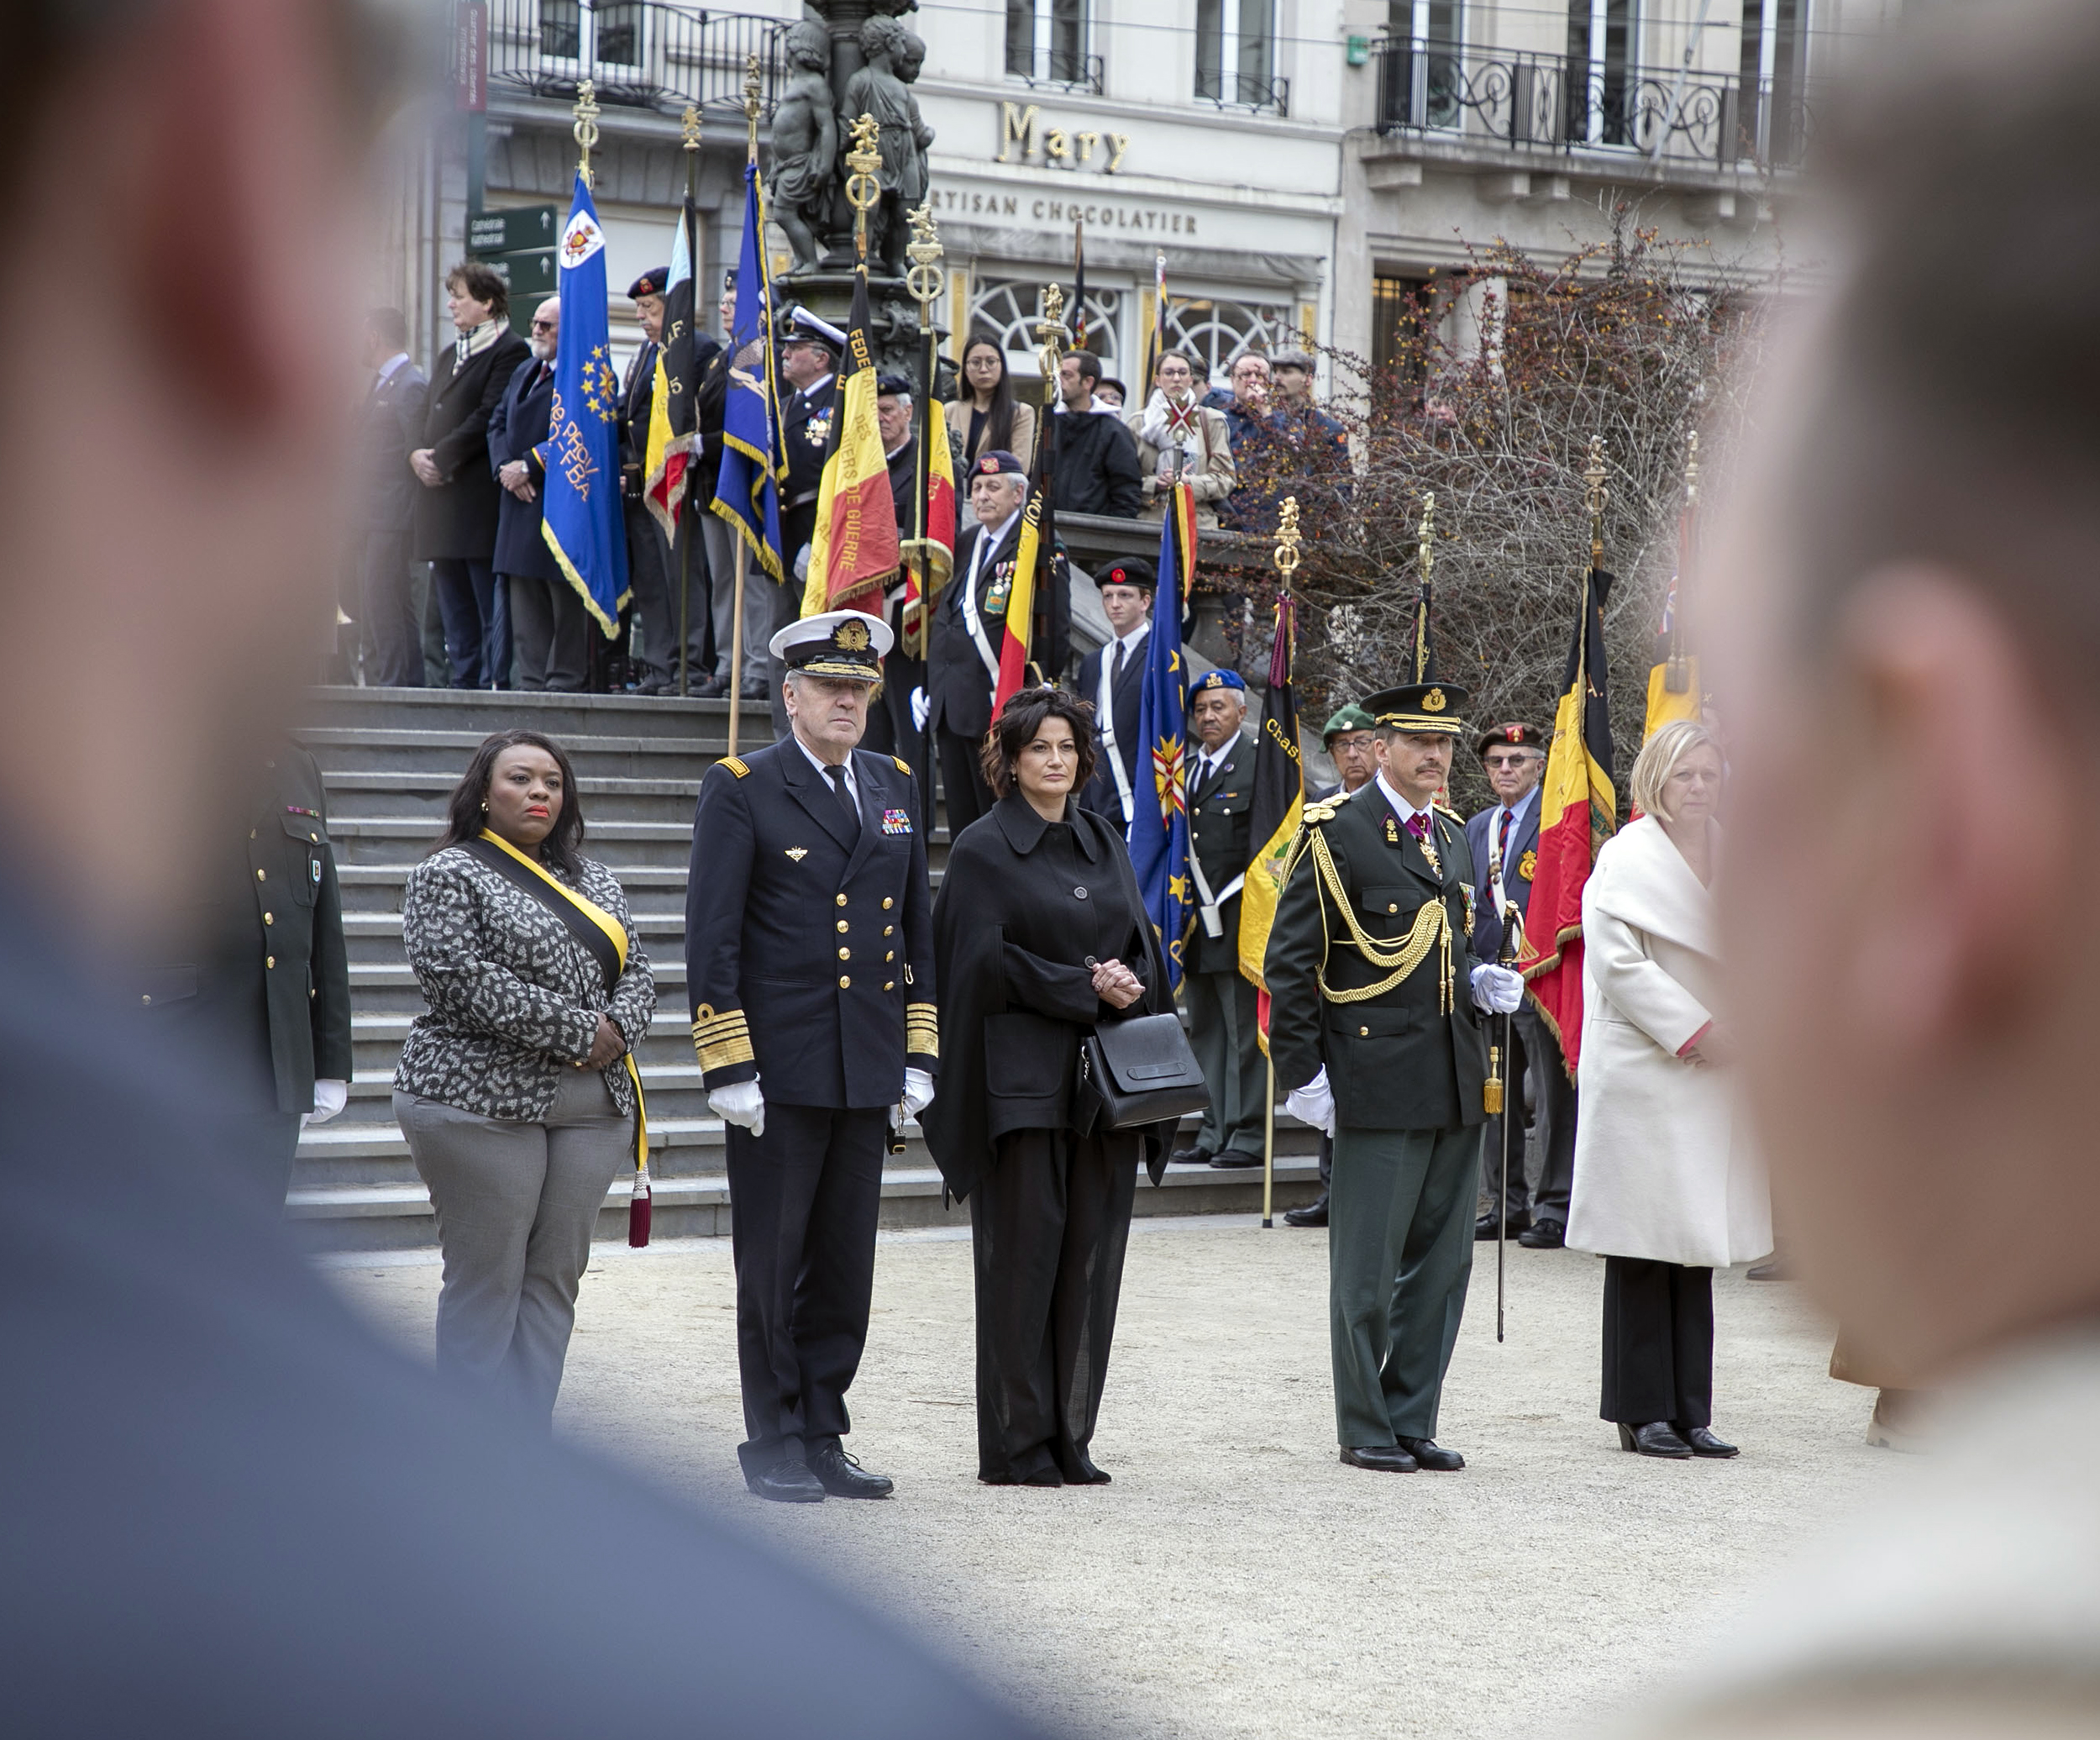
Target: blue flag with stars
(583, 524)
(1159, 819)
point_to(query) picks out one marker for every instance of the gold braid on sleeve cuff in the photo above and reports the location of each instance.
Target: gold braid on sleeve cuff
(921, 1030)
(722, 1040)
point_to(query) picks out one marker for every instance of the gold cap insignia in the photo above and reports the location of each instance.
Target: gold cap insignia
(852, 637)
(1433, 702)
(798, 853)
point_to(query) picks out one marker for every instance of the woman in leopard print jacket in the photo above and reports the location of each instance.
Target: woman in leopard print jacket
(513, 1090)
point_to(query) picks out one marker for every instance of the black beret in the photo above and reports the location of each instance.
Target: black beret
(893, 384)
(651, 282)
(1127, 571)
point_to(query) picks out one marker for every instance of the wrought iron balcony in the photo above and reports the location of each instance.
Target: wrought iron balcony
(1243, 90)
(1570, 104)
(636, 53)
(1066, 73)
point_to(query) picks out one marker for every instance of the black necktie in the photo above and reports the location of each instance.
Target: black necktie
(836, 775)
(1122, 653)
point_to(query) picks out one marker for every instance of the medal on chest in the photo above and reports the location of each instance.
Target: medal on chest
(817, 431)
(999, 590)
(1428, 843)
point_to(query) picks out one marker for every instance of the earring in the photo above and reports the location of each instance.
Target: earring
(485, 806)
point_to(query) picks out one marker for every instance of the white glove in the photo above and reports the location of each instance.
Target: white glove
(1498, 989)
(1313, 1104)
(329, 1097)
(918, 1091)
(740, 1103)
(802, 561)
(921, 707)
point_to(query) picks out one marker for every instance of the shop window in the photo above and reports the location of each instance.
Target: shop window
(1215, 331)
(1046, 42)
(1402, 314)
(1007, 309)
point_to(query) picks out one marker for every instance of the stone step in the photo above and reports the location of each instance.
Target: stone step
(352, 748)
(390, 792)
(375, 938)
(483, 711)
(398, 1216)
(378, 887)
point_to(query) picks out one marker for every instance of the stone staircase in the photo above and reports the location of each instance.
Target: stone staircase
(390, 758)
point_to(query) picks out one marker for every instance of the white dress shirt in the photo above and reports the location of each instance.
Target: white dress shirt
(823, 767)
(1401, 808)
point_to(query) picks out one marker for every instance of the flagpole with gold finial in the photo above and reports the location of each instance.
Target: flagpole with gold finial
(1287, 561)
(927, 281)
(585, 128)
(1425, 559)
(1676, 669)
(752, 88)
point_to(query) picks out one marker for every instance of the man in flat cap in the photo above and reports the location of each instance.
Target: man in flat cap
(1112, 677)
(650, 567)
(969, 632)
(809, 959)
(1504, 841)
(1376, 1025)
(1351, 740)
(1219, 997)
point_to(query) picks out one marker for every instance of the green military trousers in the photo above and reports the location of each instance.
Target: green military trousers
(1400, 1252)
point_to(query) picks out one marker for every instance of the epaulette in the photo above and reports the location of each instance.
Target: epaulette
(903, 766)
(1322, 810)
(735, 765)
(1445, 809)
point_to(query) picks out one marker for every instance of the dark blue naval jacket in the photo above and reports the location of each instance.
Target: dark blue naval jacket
(810, 961)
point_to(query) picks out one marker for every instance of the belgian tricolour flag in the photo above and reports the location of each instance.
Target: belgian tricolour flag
(853, 555)
(1035, 553)
(1578, 813)
(1277, 808)
(929, 557)
(668, 456)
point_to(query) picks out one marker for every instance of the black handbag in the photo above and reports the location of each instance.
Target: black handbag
(1137, 1072)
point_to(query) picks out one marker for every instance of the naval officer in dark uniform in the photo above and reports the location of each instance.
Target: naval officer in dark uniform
(263, 997)
(809, 954)
(1376, 1024)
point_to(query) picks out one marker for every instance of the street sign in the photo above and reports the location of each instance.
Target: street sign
(513, 230)
(528, 275)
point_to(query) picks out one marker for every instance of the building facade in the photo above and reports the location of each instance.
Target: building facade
(1290, 169)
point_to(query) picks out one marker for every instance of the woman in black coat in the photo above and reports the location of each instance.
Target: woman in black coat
(1040, 933)
(456, 509)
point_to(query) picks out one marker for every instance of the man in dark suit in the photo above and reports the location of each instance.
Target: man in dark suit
(230, 1497)
(1375, 1025)
(808, 952)
(895, 726)
(1219, 999)
(389, 421)
(1504, 839)
(456, 510)
(550, 632)
(262, 998)
(1112, 677)
(650, 566)
(969, 633)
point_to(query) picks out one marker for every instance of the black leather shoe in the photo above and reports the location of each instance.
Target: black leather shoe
(1191, 1156)
(1703, 1443)
(1384, 1459)
(1430, 1455)
(786, 1483)
(1656, 1439)
(1232, 1157)
(843, 1477)
(1484, 1229)
(713, 689)
(1313, 1214)
(1543, 1235)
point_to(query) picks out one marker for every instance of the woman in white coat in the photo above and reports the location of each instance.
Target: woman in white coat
(1666, 1188)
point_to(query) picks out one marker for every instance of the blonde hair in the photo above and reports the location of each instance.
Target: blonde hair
(1658, 760)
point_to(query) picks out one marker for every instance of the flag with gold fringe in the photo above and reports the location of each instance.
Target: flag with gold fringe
(1276, 807)
(1159, 820)
(853, 554)
(1035, 570)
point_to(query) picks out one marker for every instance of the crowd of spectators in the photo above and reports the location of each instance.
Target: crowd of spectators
(452, 584)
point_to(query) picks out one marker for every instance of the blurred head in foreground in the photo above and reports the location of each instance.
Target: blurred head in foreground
(1911, 626)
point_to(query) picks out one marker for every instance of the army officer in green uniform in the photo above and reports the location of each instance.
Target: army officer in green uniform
(1376, 1025)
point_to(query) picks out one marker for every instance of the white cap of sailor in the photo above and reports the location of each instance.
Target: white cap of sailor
(848, 644)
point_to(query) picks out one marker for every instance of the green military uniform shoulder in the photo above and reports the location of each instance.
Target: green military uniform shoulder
(1324, 809)
(735, 765)
(1450, 814)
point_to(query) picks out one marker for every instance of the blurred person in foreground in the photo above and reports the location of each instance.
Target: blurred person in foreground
(243, 1499)
(1907, 571)
(1666, 1187)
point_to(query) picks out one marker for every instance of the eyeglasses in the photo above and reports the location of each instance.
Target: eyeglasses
(542, 326)
(1495, 763)
(1354, 740)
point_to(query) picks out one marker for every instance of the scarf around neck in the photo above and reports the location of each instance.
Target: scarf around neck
(476, 340)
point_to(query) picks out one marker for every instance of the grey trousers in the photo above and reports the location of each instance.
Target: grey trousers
(1399, 1254)
(1222, 1034)
(516, 1203)
(550, 635)
(721, 538)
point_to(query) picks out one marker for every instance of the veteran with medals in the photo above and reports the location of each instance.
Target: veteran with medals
(1376, 1026)
(808, 952)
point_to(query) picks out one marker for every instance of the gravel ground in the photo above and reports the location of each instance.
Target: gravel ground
(1237, 1580)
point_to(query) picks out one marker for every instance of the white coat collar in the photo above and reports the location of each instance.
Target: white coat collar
(1643, 880)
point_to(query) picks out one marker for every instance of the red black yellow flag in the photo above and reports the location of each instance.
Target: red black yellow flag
(853, 555)
(1277, 806)
(1034, 571)
(1578, 813)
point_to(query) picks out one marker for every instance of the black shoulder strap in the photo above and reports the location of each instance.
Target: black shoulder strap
(596, 942)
